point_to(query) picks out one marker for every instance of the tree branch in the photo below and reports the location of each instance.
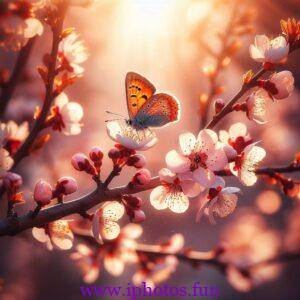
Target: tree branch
(15, 225)
(10, 86)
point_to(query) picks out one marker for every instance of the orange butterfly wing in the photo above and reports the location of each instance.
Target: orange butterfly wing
(164, 105)
(138, 91)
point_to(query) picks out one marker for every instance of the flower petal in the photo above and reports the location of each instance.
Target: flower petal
(157, 198)
(176, 162)
(187, 142)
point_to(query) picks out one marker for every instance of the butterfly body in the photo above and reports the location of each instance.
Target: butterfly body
(147, 109)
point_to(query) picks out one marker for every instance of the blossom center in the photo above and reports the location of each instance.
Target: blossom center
(214, 192)
(198, 159)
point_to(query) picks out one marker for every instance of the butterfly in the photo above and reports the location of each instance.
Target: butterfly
(145, 108)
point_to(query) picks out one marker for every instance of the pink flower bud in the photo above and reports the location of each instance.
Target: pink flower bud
(142, 177)
(137, 161)
(96, 154)
(42, 192)
(12, 181)
(81, 162)
(133, 202)
(219, 104)
(284, 84)
(66, 186)
(113, 153)
(138, 216)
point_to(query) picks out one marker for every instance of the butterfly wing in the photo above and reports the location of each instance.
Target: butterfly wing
(138, 91)
(160, 110)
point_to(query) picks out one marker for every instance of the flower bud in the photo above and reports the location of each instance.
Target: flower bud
(96, 154)
(142, 177)
(138, 161)
(81, 162)
(113, 153)
(219, 104)
(42, 192)
(12, 181)
(133, 202)
(66, 186)
(138, 216)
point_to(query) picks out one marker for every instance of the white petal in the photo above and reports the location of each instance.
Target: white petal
(33, 27)
(96, 227)
(113, 265)
(225, 204)
(157, 198)
(177, 202)
(236, 130)
(191, 188)
(187, 142)
(61, 100)
(132, 231)
(110, 230)
(176, 162)
(166, 175)
(206, 141)
(219, 181)
(204, 177)
(217, 160)
(112, 210)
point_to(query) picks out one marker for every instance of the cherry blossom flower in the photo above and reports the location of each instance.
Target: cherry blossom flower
(105, 221)
(114, 254)
(88, 261)
(6, 162)
(256, 106)
(245, 164)
(271, 51)
(18, 24)
(174, 192)
(122, 250)
(218, 200)
(3, 133)
(236, 139)
(67, 115)
(155, 272)
(16, 134)
(73, 52)
(198, 157)
(249, 241)
(57, 233)
(284, 84)
(130, 137)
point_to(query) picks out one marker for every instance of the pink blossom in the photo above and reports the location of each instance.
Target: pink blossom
(256, 106)
(266, 50)
(284, 84)
(218, 200)
(245, 164)
(199, 156)
(105, 221)
(6, 162)
(71, 114)
(174, 191)
(131, 138)
(42, 192)
(57, 233)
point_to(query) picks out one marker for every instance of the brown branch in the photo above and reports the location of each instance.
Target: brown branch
(212, 258)
(228, 108)
(15, 225)
(9, 87)
(23, 151)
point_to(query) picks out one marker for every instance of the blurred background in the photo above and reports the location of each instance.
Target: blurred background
(166, 41)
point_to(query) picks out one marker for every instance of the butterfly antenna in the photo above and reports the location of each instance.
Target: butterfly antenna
(111, 113)
(111, 120)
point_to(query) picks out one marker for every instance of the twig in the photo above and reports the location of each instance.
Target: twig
(228, 108)
(23, 151)
(12, 226)
(10, 86)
